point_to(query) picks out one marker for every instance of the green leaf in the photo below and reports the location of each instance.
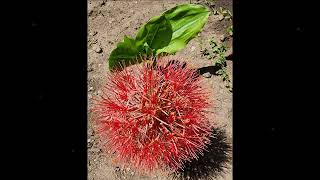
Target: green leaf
(146, 48)
(165, 34)
(156, 33)
(124, 54)
(187, 21)
(223, 48)
(213, 44)
(230, 30)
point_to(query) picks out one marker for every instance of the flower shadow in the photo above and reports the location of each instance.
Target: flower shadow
(214, 162)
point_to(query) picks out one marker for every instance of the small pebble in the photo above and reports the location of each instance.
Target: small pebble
(222, 37)
(220, 17)
(207, 75)
(95, 41)
(93, 33)
(89, 140)
(90, 89)
(229, 52)
(90, 12)
(90, 69)
(193, 48)
(96, 48)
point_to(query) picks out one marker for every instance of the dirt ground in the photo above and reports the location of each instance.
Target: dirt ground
(108, 22)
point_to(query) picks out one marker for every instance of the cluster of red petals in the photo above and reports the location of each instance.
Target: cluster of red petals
(153, 117)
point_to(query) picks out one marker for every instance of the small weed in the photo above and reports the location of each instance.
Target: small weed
(226, 14)
(217, 52)
(209, 3)
(206, 52)
(230, 30)
(200, 41)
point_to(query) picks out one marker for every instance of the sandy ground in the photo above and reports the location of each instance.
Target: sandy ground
(108, 22)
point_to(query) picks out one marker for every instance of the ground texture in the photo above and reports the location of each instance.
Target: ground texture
(108, 22)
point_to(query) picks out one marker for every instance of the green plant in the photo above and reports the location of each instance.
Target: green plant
(218, 53)
(164, 34)
(230, 30)
(200, 41)
(224, 12)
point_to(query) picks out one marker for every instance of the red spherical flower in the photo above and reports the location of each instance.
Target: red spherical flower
(154, 117)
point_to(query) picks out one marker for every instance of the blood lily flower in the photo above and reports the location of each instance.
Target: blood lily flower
(154, 116)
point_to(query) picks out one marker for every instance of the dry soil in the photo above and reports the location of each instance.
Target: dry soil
(108, 22)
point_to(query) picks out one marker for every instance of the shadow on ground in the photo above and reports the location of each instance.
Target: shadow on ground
(213, 163)
(211, 69)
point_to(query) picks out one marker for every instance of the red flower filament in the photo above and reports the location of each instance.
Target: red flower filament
(153, 117)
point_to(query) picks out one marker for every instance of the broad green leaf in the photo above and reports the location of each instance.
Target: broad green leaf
(167, 33)
(153, 35)
(187, 21)
(125, 53)
(156, 33)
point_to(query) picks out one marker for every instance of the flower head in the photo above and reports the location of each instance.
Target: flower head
(154, 116)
